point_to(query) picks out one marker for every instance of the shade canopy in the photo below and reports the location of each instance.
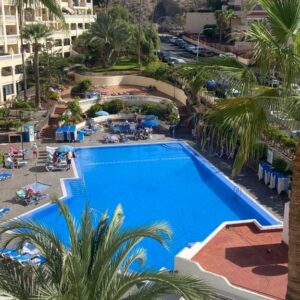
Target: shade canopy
(102, 113)
(150, 123)
(65, 149)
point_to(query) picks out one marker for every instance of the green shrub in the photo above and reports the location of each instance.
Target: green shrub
(53, 95)
(74, 107)
(279, 165)
(4, 112)
(173, 118)
(157, 70)
(77, 59)
(155, 109)
(91, 113)
(280, 140)
(18, 104)
(84, 85)
(114, 106)
(10, 123)
(81, 88)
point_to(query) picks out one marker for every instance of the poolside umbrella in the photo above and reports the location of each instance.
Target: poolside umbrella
(101, 113)
(150, 117)
(150, 123)
(65, 149)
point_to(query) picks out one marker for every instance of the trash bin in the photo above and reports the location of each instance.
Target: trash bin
(28, 133)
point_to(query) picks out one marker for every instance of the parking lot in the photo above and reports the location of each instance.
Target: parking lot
(178, 51)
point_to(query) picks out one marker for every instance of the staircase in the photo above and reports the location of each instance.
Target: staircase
(184, 126)
(48, 131)
(77, 188)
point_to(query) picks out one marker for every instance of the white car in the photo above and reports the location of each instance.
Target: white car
(227, 54)
(273, 82)
(296, 87)
(176, 61)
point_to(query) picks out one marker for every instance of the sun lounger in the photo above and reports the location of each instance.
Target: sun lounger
(4, 211)
(38, 260)
(24, 258)
(6, 251)
(4, 176)
(21, 196)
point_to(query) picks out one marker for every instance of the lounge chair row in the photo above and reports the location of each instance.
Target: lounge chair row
(22, 257)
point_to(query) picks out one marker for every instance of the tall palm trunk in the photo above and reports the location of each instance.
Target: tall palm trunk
(139, 37)
(293, 291)
(20, 9)
(37, 75)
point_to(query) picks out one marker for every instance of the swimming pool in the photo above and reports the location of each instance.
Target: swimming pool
(164, 181)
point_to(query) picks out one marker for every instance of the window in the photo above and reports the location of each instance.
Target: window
(7, 71)
(8, 89)
(80, 26)
(58, 43)
(18, 69)
(66, 42)
(66, 54)
(73, 26)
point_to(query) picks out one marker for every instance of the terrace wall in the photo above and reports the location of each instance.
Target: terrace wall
(135, 80)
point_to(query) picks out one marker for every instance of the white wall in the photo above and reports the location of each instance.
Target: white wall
(219, 283)
(195, 21)
(285, 234)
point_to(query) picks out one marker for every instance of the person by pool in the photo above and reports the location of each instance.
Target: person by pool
(69, 157)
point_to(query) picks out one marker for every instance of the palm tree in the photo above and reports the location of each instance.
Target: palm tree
(111, 37)
(35, 34)
(242, 120)
(95, 265)
(52, 6)
(223, 18)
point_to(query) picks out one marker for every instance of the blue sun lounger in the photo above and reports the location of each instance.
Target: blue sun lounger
(21, 258)
(6, 251)
(3, 211)
(38, 260)
(4, 176)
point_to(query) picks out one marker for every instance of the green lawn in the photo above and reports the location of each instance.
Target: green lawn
(125, 63)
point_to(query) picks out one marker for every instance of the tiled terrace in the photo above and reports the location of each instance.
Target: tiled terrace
(249, 258)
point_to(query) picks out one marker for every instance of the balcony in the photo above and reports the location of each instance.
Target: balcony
(12, 38)
(8, 19)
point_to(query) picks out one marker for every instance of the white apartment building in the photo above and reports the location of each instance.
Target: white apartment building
(78, 15)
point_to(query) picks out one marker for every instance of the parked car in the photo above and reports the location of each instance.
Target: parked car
(273, 82)
(296, 87)
(227, 54)
(190, 48)
(200, 50)
(209, 54)
(179, 41)
(176, 61)
(165, 56)
(173, 39)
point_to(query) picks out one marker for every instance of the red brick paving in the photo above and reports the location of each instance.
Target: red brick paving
(248, 258)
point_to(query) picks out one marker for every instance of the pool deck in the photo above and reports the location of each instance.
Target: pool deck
(35, 171)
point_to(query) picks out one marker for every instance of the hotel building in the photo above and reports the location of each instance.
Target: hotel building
(78, 15)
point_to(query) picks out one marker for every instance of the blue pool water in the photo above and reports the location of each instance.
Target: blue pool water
(168, 182)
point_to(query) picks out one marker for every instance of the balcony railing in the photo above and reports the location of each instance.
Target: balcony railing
(10, 56)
